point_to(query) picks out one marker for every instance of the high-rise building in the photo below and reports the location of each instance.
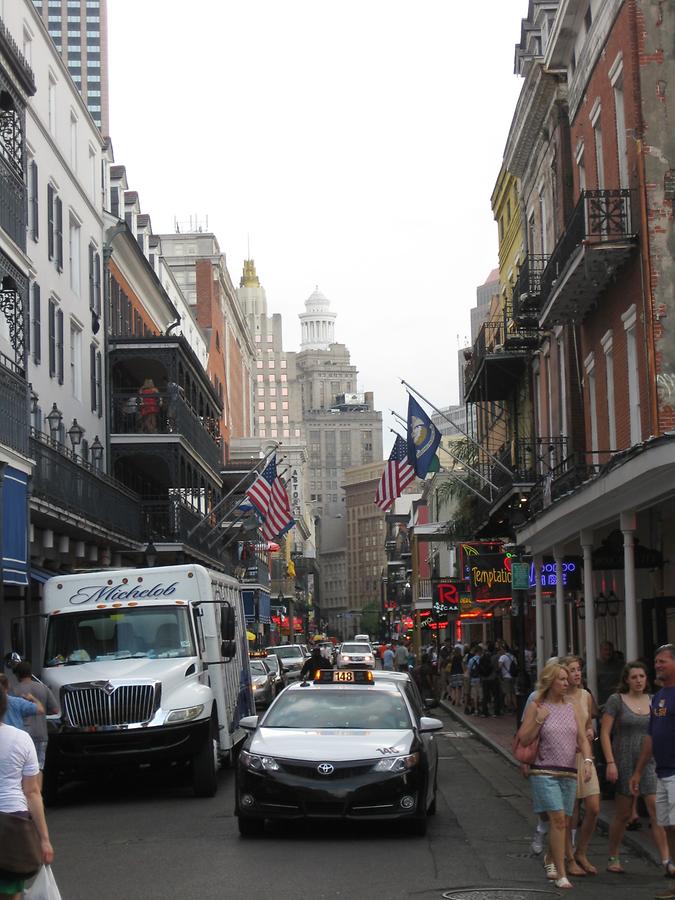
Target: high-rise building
(342, 429)
(79, 30)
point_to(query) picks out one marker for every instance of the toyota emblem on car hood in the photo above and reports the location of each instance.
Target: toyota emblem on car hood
(325, 769)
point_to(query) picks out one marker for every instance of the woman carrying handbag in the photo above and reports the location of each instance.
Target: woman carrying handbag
(24, 838)
(558, 727)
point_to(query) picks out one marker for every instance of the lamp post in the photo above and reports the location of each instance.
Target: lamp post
(54, 420)
(96, 450)
(75, 433)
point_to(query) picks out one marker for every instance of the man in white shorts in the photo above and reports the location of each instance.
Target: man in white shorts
(660, 743)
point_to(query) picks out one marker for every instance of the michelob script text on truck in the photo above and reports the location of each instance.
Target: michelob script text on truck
(151, 666)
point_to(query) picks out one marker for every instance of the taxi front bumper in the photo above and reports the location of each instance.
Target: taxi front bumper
(352, 791)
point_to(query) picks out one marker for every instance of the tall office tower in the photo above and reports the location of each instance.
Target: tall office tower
(79, 28)
(343, 430)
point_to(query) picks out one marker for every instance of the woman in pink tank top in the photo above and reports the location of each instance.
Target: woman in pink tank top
(553, 775)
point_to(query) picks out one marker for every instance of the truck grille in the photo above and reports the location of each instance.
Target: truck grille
(106, 704)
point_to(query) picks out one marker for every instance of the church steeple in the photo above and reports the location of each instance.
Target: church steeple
(249, 277)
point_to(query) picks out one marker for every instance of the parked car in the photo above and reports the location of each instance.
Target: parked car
(291, 658)
(262, 682)
(273, 664)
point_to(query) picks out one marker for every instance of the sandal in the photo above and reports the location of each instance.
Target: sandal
(551, 871)
(563, 883)
(614, 865)
(669, 866)
(587, 866)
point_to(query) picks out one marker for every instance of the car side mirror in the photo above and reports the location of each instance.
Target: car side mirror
(428, 724)
(227, 623)
(249, 723)
(228, 649)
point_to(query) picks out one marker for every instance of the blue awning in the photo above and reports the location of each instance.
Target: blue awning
(14, 527)
(41, 575)
(262, 598)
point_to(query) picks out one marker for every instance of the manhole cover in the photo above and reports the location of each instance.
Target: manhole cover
(498, 894)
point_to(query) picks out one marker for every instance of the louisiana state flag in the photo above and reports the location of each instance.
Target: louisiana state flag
(423, 438)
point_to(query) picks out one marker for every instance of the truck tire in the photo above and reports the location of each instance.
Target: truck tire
(251, 828)
(204, 775)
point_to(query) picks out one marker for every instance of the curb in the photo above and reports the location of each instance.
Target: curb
(647, 852)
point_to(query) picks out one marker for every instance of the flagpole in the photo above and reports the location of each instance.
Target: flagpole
(483, 478)
(494, 459)
(451, 474)
(229, 493)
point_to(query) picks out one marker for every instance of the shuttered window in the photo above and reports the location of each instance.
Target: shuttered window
(92, 376)
(36, 341)
(34, 203)
(52, 338)
(59, 345)
(50, 221)
(59, 234)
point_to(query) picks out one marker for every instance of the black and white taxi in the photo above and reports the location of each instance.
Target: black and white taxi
(343, 745)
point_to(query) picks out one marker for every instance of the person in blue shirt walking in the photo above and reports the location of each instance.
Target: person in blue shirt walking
(660, 744)
(20, 708)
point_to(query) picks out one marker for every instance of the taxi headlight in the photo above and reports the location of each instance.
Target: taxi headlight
(258, 763)
(185, 715)
(397, 763)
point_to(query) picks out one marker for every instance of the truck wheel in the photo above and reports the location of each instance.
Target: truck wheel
(204, 780)
(249, 827)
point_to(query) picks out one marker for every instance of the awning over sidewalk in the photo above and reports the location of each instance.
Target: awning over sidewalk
(14, 527)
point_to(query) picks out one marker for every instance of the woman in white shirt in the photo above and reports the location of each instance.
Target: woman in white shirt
(20, 791)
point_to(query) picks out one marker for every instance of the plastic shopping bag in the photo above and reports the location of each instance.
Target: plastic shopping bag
(44, 887)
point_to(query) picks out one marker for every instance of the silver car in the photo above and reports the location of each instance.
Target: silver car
(262, 682)
(291, 658)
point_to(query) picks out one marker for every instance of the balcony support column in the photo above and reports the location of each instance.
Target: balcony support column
(560, 618)
(586, 540)
(539, 614)
(628, 526)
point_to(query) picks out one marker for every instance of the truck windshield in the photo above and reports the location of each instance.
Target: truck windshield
(142, 632)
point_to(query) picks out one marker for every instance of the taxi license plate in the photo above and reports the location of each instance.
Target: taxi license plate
(345, 677)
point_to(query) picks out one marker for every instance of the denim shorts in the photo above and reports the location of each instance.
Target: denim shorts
(551, 794)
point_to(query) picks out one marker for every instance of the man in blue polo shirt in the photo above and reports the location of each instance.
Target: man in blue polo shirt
(20, 708)
(660, 743)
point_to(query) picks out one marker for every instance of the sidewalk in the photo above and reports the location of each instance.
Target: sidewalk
(497, 733)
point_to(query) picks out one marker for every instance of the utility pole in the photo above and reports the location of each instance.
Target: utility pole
(520, 592)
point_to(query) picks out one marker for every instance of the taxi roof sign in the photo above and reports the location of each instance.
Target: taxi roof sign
(343, 676)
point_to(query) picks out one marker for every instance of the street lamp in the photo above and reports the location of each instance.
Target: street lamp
(75, 433)
(54, 420)
(96, 450)
(150, 554)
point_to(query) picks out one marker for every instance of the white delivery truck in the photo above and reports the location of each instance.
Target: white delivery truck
(150, 666)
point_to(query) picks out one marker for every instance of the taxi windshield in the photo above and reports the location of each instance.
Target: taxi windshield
(341, 708)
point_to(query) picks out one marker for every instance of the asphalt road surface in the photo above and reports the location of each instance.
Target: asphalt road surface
(147, 837)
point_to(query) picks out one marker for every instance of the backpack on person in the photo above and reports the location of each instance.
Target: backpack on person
(513, 666)
(485, 668)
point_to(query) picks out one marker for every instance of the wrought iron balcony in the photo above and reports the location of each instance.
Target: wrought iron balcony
(169, 520)
(527, 461)
(69, 483)
(498, 358)
(527, 291)
(598, 240)
(174, 416)
(14, 407)
(563, 478)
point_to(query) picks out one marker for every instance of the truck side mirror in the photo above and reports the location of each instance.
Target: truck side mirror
(227, 623)
(228, 649)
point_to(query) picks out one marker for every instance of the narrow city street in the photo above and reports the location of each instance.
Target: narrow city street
(147, 839)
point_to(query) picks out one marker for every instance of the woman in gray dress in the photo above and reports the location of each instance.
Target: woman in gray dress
(624, 723)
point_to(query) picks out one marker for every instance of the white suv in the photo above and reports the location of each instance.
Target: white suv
(355, 656)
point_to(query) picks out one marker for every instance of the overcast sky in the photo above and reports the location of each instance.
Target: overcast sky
(355, 144)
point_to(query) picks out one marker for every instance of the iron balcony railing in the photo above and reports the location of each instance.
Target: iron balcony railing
(570, 472)
(502, 335)
(133, 414)
(527, 291)
(527, 459)
(599, 217)
(72, 484)
(171, 519)
(14, 407)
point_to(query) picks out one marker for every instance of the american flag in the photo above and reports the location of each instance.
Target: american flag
(270, 498)
(397, 475)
